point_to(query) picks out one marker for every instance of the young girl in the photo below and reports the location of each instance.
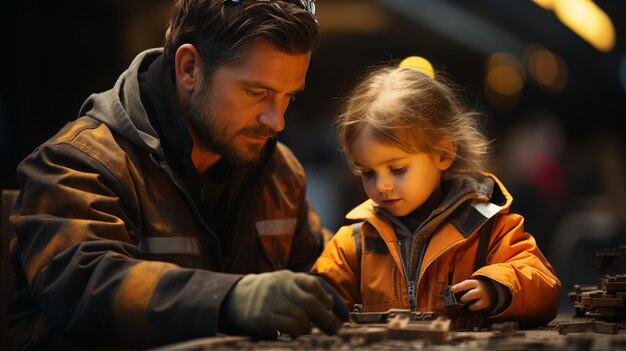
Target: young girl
(434, 218)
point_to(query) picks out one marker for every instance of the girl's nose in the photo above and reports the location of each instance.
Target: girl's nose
(384, 184)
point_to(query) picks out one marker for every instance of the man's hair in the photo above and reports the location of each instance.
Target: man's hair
(407, 109)
(222, 30)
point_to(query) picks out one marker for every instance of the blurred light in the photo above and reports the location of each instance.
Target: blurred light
(504, 81)
(505, 74)
(546, 68)
(419, 64)
(622, 72)
(546, 4)
(586, 19)
(364, 17)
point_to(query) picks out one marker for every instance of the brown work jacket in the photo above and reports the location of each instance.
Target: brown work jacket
(111, 250)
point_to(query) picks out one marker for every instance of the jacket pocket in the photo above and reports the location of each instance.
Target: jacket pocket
(276, 236)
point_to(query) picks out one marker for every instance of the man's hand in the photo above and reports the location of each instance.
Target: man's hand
(282, 300)
(480, 293)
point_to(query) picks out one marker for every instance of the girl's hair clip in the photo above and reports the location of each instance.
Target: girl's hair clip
(419, 64)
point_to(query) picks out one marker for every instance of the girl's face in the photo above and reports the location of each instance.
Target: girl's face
(398, 181)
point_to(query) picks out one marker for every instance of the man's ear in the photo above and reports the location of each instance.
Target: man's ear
(446, 155)
(187, 67)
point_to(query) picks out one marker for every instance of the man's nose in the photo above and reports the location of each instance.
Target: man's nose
(273, 116)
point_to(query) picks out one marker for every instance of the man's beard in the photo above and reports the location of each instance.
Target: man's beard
(202, 121)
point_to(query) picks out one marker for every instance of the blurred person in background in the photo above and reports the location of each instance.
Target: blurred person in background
(595, 217)
(532, 162)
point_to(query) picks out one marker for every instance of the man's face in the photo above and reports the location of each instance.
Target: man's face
(243, 106)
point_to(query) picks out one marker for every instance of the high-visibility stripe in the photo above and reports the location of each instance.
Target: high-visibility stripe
(170, 245)
(272, 227)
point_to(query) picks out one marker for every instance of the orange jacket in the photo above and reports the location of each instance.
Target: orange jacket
(376, 278)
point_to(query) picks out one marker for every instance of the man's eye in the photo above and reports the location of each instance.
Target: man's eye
(255, 93)
(399, 170)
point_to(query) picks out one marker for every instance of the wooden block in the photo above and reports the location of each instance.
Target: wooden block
(400, 328)
(607, 302)
(575, 327)
(605, 328)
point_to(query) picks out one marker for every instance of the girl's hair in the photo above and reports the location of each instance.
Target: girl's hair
(405, 108)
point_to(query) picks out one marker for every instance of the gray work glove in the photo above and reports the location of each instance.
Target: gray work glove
(281, 301)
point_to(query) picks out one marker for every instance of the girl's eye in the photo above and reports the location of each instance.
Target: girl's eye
(366, 174)
(400, 170)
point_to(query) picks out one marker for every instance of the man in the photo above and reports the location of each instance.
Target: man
(137, 223)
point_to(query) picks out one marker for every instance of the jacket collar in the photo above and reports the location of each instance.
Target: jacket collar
(159, 101)
(468, 203)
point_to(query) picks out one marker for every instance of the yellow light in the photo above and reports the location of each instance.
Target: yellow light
(505, 74)
(546, 68)
(546, 4)
(365, 17)
(419, 64)
(587, 20)
(504, 81)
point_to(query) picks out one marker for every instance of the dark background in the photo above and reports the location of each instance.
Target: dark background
(560, 154)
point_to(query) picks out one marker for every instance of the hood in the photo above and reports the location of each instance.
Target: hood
(121, 108)
(490, 189)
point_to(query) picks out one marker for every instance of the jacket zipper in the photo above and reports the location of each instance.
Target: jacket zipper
(235, 210)
(163, 165)
(412, 285)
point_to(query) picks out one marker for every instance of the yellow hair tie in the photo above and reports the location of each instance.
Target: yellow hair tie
(419, 64)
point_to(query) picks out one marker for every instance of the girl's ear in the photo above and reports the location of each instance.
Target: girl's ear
(446, 155)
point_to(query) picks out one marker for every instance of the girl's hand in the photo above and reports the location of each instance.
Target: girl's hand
(479, 293)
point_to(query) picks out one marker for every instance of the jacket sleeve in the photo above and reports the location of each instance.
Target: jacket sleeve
(310, 236)
(515, 261)
(75, 243)
(309, 239)
(339, 265)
